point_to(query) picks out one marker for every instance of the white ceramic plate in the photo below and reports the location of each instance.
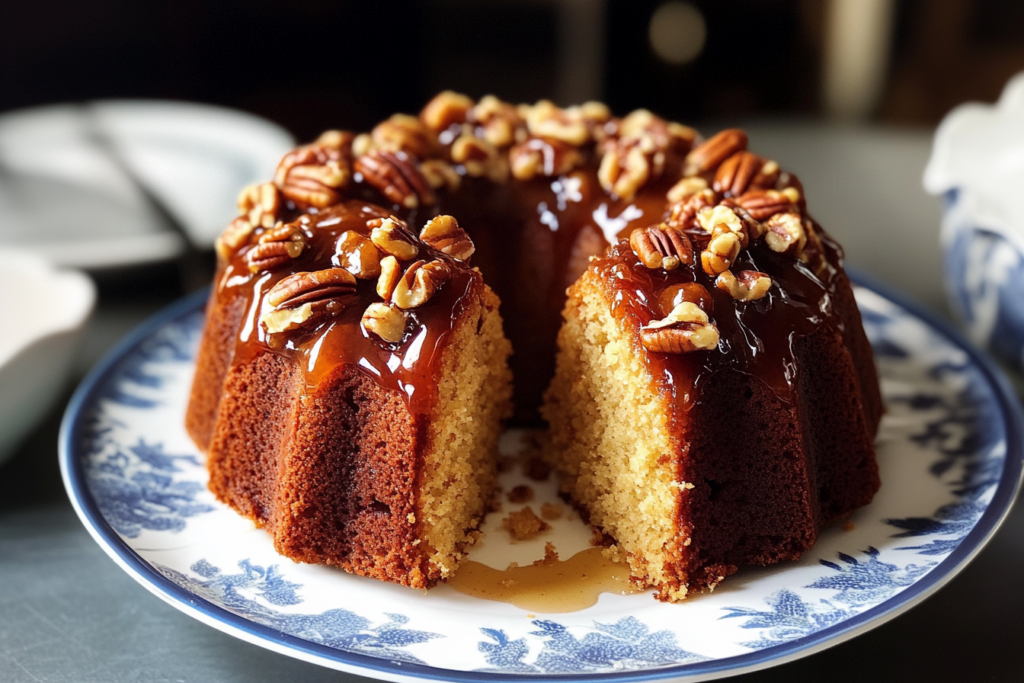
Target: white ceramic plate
(62, 197)
(950, 454)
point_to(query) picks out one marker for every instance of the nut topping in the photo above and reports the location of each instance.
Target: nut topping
(419, 283)
(390, 273)
(737, 173)
(767, 176)
(259, 204)
(439, 173)
(397, 178)
(478, 157)
(444, 234)
(682, 213)
(686, 188)
(404, 133)
(624, 169)
(685, 329)
(276, 247)
(358, 255)
(547, 120)
(785, 233)
(313, 175)
(544, 157)
(661, 246)
(306, 299)
(387, 322)
(721, 251)
(762, 204)
(748, 285)
(500, 120)
(391, 236)
(693, 292)
(712, 152)
(446, 108)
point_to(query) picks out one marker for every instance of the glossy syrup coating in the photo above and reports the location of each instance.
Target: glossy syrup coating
(408, 366)
(540, 190)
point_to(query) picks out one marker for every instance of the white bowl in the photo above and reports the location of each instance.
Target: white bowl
(42, 310)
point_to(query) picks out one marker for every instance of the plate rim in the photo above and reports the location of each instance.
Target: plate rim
(85, 506)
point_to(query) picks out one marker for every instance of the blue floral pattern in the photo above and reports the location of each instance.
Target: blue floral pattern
(626, 644)
(337, 628)
(149, 483)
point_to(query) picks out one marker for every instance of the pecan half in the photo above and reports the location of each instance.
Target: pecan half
(709, 154)
(444, 234)
(390, 273)
(396, 176)
(544, 157)
(748, 285)
(392, 236)
(501, 121)
(682, 213)
(767, 176)
(685, 329)
(710, 218)
(439, 173)
(419, 283)
(736, 173)
(446, 108)
(306, 299)
(478, 157)
(404, 133)
(357, 254)
(694, 292)
(661, 246)
(276, 247)
(721, 251)
(762, 204)
(260, 204)
(686, 188)
(624, 169)
(547, 120)
(387, 322)
(314, 174)
(785, 233)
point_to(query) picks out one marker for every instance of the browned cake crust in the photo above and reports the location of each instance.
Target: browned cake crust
(350, 385)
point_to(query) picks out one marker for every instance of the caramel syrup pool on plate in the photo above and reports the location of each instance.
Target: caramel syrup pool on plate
(549, 586)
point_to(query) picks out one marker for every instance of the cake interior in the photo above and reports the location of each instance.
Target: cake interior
(612, 440)
(459, 468)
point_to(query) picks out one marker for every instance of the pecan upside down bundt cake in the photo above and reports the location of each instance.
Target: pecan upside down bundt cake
(715, 399)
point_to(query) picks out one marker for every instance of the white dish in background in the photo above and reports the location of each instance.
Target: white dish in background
(63, 197)
(43, 311)
(949, 449)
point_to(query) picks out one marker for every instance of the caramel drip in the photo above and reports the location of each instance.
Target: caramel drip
(548, 587)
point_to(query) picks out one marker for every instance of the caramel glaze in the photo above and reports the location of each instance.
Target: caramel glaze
(408, 367)
(533, 239)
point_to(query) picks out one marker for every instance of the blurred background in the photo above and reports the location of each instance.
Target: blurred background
(846, 93)
(315, 63)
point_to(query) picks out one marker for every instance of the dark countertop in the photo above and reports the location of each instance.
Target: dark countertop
(69, 614)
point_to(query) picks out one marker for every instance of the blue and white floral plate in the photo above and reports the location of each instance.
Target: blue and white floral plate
(950, 453)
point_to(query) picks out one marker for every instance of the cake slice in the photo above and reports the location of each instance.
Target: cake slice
(354, 416)
(703, 420)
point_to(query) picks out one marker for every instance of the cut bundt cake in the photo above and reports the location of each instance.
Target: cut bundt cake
(349, 390)
(715, 402)
(353, 372)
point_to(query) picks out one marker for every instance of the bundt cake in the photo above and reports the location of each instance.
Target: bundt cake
(353, 372)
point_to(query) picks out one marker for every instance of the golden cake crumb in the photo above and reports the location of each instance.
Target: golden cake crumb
(551, 511)
(848, 525)
(524, 524)
(550, 556)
